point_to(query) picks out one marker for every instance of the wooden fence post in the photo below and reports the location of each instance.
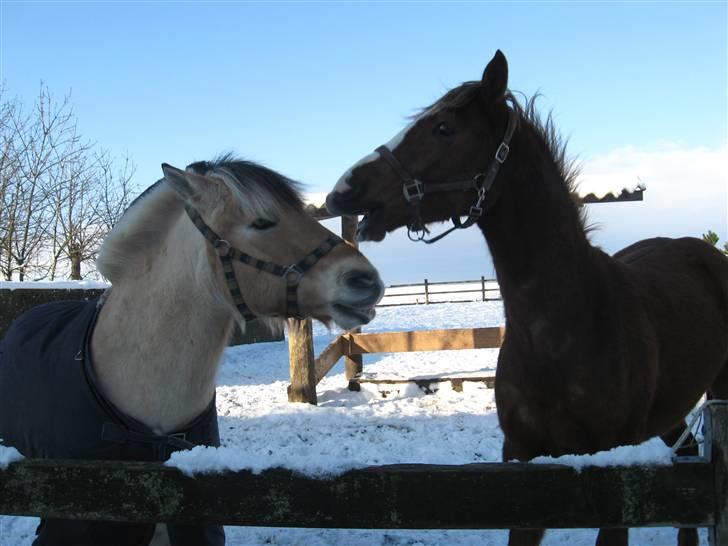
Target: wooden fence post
(427, 294)
(716, 446)
(482, 286)
(353, 364)
(302, 363)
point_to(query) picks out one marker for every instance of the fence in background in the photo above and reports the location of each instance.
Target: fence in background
(441, 292)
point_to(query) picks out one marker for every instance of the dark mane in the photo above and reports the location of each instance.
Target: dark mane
(457, 97)
(544, 129)
(253, 178)
(549, 136)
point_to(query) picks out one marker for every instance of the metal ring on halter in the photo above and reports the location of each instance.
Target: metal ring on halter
(222, 247)
(413, 190)
(419, 232)
(293, 275)
(479, 180)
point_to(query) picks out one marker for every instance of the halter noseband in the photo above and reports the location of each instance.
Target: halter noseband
(415, 190)
(292, 274)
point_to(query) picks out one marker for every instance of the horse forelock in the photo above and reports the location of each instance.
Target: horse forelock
(259, 190)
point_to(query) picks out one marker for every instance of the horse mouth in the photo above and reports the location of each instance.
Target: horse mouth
(349, 317)
(345, 203)
(369, 228)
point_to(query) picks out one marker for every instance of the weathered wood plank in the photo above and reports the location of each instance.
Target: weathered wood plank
(301, 362)
(328, 358)
(716, 437)
(425, 340)
(425, 382)
(353, 364)
(412, 496)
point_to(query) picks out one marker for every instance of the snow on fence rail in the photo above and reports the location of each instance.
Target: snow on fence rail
(441, 292)
(690, 492)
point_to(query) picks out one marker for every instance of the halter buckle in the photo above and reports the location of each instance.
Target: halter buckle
(502, 152)
(222, 247)
(293, 275)
(475, 211)
(414, 190)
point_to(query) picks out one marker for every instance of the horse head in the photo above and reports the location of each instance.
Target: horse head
(448, 150)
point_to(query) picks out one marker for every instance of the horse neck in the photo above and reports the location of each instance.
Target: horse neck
(535, 236)
(160, 335)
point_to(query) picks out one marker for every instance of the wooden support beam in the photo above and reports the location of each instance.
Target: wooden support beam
(478, 496)
(301, 362)
(424, 383)
(328, 358)
(424, 340)
(716, 444)
(353, 364)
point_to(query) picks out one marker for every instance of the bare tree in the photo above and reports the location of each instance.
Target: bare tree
(93, 196)
(8, 175)
(59, 193)
(44, 143)
(115, 188)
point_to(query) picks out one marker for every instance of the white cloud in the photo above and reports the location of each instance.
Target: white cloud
(687, 193)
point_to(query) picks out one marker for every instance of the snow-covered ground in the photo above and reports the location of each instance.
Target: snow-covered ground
(260, 428)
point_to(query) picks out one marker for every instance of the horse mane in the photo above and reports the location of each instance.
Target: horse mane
(259, 188)
(150, 216)
(543, 128)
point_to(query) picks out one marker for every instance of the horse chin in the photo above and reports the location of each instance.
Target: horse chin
(370, 227)
(347, 317)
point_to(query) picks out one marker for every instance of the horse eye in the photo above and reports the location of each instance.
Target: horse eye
(442, 129)
(262, 223)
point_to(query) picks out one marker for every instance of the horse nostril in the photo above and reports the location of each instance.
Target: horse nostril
(361, 279)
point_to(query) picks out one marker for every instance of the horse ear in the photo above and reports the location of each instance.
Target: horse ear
(179, 182)
(495, 78)
(198, 190)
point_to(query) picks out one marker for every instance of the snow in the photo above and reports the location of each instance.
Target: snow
(53, 285)
(652, 452)
(378, 425)
(8, 455)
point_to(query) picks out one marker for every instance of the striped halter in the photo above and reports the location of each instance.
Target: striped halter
(291, 274)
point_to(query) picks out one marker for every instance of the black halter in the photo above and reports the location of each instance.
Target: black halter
(414, 190)
(292, 274)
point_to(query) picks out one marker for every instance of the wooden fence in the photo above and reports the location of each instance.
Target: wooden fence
(429, 292)
(307, 371)
(691, 492)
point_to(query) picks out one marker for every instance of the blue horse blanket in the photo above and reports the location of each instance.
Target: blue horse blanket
(51, 406)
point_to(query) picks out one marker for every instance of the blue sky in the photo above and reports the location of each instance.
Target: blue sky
(309, 87)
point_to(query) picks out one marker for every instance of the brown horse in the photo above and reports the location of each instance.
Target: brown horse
(600, 351)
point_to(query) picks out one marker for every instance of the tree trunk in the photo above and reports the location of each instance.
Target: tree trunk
(75, 267)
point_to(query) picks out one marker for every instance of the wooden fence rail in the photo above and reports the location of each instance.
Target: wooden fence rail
(348, 344)
(481, 289)
(477, 496)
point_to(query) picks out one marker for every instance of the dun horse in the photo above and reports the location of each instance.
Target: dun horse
(133, 376)
(599, 351)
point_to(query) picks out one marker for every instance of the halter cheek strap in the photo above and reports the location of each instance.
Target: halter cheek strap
(292, 274)
(415, 190)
